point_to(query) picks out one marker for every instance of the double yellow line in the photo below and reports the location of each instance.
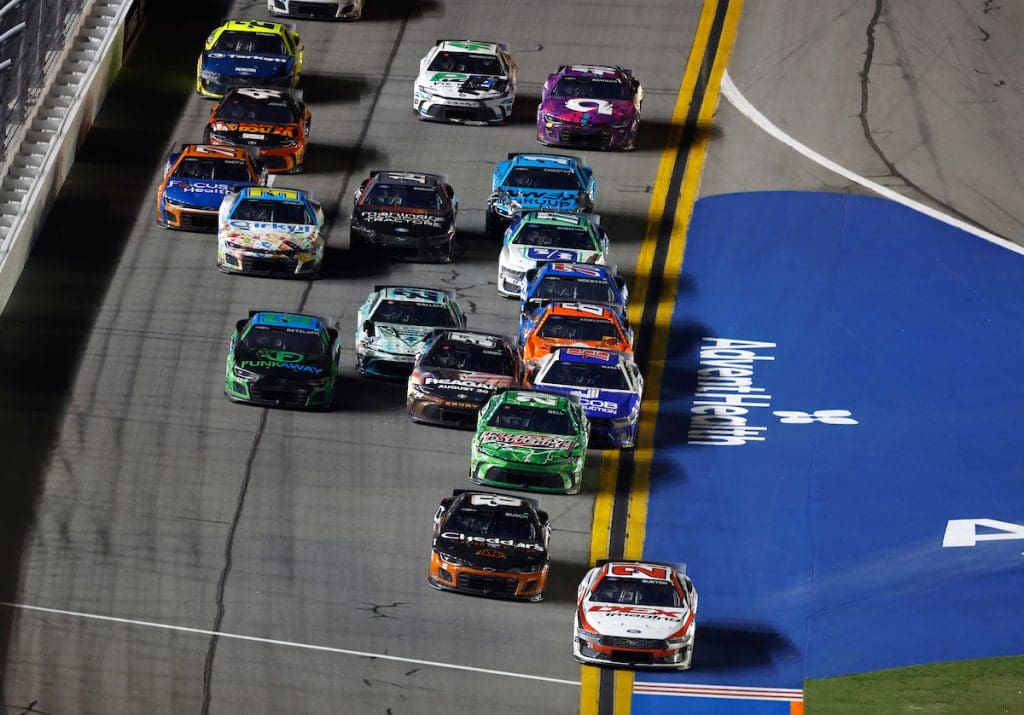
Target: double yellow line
(692, 117)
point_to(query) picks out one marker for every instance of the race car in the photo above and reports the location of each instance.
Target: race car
(541, 182)
(572, 282)
(466, 81)
(406, 215)
(275, 122)
(197, 178)
(270, 232)
(537, 237)
(591, 106)
(530, 440)
(456, 372)
(283, 360)
(393, 322)
(244, 53)
(579, 325)
(637, 614)
(490, 545)
(607, 383)
(317, 9)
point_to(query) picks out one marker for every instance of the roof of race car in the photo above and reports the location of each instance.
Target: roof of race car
(470, 337)
(275, 28)
(270, 194)
(411, 294)
(591, 71)
(544, 161)
(575, 270)
(408, 178)
(250, 95)
(582, 310)
(556, 218)
(639, 570)
(209, 151)
(587, 356)
(477, 46)
(534, 398)
(288, 320)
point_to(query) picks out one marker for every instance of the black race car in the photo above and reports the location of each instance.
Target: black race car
(405, 215)
(490, 544)
(275, 122)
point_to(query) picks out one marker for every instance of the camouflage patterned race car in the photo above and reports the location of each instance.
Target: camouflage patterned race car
(490, 545)
(529, 440)
(282, 360)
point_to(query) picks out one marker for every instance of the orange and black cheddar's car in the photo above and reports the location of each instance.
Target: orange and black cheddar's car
(573, 325)
(273, 122)
(490, 544)
(197, 177)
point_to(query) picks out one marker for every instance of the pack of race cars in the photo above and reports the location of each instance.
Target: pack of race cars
(568, 380)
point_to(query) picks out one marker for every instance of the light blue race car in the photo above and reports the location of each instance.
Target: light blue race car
(539, 182)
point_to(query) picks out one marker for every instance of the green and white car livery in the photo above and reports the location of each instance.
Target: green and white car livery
(466, 81)
(530, 440)
(394, 321)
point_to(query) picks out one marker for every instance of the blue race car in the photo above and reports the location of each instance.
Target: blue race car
(242, 53)
(197, 177)
(573, 282)
(608, 384)
(542, 182)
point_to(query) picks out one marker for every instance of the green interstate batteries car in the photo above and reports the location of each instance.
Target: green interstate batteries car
(530, 440)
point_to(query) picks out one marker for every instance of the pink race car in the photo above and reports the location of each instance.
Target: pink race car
(590, 106)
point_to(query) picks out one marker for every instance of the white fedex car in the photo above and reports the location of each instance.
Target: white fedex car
(466, 81)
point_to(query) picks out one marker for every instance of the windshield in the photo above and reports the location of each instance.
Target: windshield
(525, 177)
(466, 63)
(469, 358)
(238, 109)
(590, 88)
(578, 374)
(573, 289)
(431, 314)
(271, 211)
(410, 197)
(531, 419)
(534, 234)
(215, 169)
(499, 523)
(253, 43)
(636, 592)
(266, 337)
(565, 327)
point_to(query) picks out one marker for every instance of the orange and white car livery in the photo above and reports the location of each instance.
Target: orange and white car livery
(197, 177)
(573, 325)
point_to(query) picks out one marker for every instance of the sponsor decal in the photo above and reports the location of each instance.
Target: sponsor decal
(605, 407)
(200, 187)
(258, 131)
(491, 554)
(538, 253)
(533, 441)
(584, 270)
(474, 385)
(964, 532)
(448, 77)
(267, 364)
(245, 56)
(601, 106)
(264, 225)
(470, 46)
(402, 217)
(645, 612)
(602, 355)
(491, 541)
(659, 573)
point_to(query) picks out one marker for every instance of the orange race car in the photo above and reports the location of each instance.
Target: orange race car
(197, 177)
(558, 325)
(275, 122)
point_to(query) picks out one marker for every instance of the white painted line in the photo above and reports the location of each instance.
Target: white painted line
(271, 178)
(746, 108)
(724, 692)
(287, 644)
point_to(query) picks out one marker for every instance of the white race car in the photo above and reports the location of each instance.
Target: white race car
(466, 81)
(317, 9)
(636, 613)
(537, 237)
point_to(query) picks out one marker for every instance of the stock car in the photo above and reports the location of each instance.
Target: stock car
(537, 237)
(393, 322)
(282, 359)
(573, 325)
(607, 383)
(635, 613)
(317, 9)
(245, 53)
(592, 106)
(490, 545)
(197, 178)
(572, 282)
(405, 214)
(466, 81)
(275, 122)
(530, 440)
(270, 232)
(540, 182)
(456, 372)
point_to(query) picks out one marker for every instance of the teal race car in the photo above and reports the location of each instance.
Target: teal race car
(530, 440)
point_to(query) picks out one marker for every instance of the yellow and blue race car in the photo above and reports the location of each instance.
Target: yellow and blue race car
(242, 53)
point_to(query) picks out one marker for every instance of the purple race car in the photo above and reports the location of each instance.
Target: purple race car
(591, 106)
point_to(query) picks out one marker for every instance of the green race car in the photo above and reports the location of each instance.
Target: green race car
(530, 440)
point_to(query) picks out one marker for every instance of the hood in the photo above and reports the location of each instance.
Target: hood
(458, 85)
(613, 619)
(589, 112)
(400, 339)
(246, 65)
(527, 447)
(491, 553)
(550, 199)
(524, 257)
(280, 237)
(201, 192)
(282, 363)
(395, 220)
(597, 403)
(463, 385)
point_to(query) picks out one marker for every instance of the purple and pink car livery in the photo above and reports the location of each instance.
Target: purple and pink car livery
(591, 106)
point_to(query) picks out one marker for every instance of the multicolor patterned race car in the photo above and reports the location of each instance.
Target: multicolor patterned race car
(406, 215)
(637, 614)
(456, 372)
(530, 440)
(466, 81)
(275, 122)
(608, 385)
(592, 106)
(579, 325)
(537, 237)
(270, 232)
(197, 178)
(317, 9)
(242, 53)
(490, 545)
(572, 282)
(394, 321)
(282, 360)
(540, 182)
